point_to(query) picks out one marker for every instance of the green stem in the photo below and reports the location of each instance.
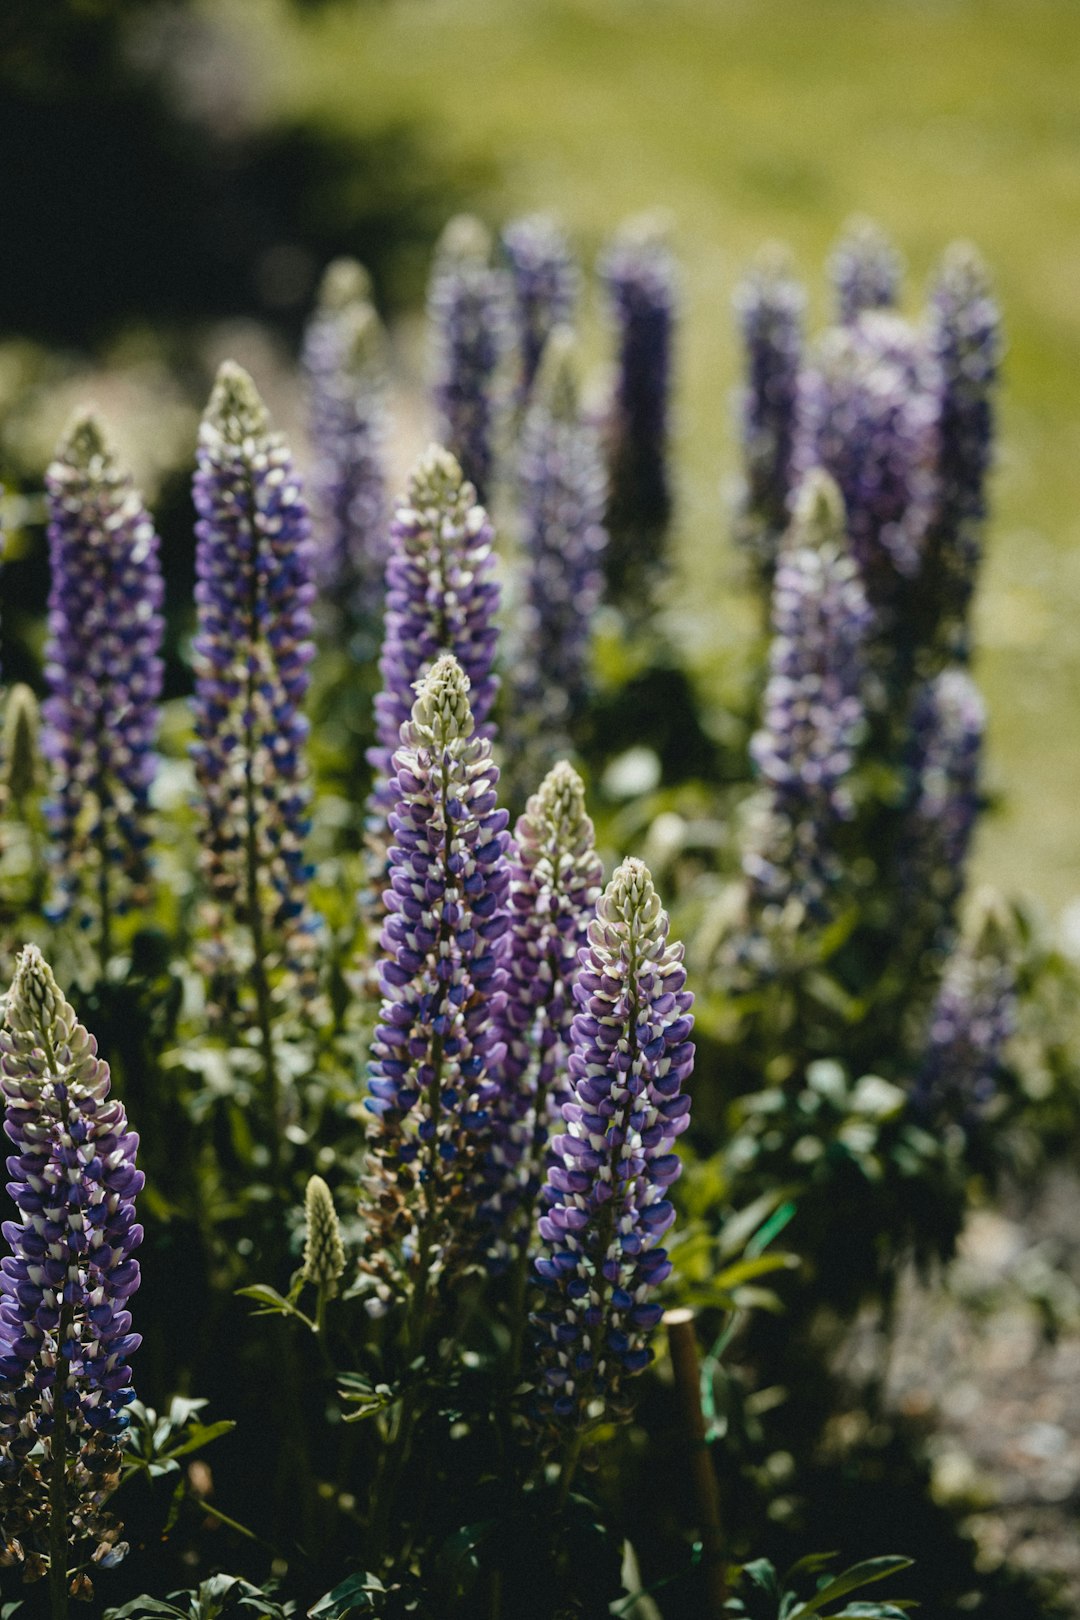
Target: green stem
(569, 1468)
(58, 1514)
(104, 909)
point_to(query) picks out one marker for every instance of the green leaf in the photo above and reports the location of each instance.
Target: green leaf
(147, 1608)
(744, 1271)
(273, 1303)
(870, 1570)
(202, 1435)
(354, 1596)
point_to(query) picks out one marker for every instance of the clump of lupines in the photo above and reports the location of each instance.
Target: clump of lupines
(65, 1326)
(555, 880)
(947, 725)
(605, 1203)
(343, 359)
(254, 591)
(965, 340)
(436, 1053)
(546, 283)
(441, 596)
(814, 711)
(103, 677)
(638, 270)
(771, 305)
(469, 307)
(865, 269)
(868, 414)
(974, 1016)
(563, 488)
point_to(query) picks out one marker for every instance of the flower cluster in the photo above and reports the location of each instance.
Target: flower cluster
(973, 1018)
(435, 1054)
(253, 594)
(865, 269)
(771, 305)
(638, 270)
(546, 284)
(814, 715)
(469, 306)
(103, 674)
(563, 489)
(555, 881)
(605, 1203)
(343, 360)
(947, 725)
(65, 1327)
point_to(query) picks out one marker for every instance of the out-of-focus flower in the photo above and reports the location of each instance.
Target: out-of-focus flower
(947, 725)
(546, 283)
(974, 1016)
(865, 269)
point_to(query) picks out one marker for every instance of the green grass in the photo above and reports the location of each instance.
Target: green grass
(750, 119)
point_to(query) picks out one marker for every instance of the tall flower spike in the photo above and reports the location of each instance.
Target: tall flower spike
(68, 1279)
(947, 726)
(470, 313)
(974, 1016)
(605, 1203)
(343, 360)
(103, 678)
(546, 282)
(965, 340)
(814, 716)
(562, 483)
(771, 305)
(555, 881)
(638, 269)
(865, 269)
(324, 1254)
(436, 1054)
(253, 594)
(868, 414)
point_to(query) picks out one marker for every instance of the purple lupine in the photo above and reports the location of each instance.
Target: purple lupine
(813, 713)
(563, 488)
(948, 721)
(436, 1055)
(253, 593)
(605, 1205)
(868, 414)
(343, 360)
(771, 306)
(865, 270)
(546, 282)
(103, 675)
(67, 1280)
(441, 596)
(470, 313)
(555, 880)
(965, 340)
(639, 272)
(973, 1018)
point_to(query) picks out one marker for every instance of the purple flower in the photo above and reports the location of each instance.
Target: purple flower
(343, 360)
(638, 271)
(563, 490)
(555, 881)
(771, 306)
(605, 1203)
(814, 716)
(253, 594)
(868, 414)
(103, 676)
(69, 1276)
(436, 1056)
(947, 725)
(865, 270)
(973, 1018)
(546, 286)
(469, 308)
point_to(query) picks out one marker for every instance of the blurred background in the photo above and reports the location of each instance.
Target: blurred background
(175, 175)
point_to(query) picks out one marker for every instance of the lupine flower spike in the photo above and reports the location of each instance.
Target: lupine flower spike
(605, 1206)
(771, 306)
(814, 715)
(252, 649)
(324, 1253)
(865, 269)
(469, 305)
(555, 881)
(638, 270)
(103, 679)
(343, 359)
(974, 1016)
(436, 1054)
(546, 286)
(21, 763)
(65, 1326)
(563, 490)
